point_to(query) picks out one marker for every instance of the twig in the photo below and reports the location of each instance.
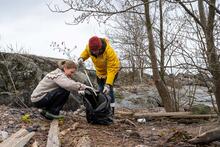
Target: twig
(108, 133)
(129, 122)
(200, 129)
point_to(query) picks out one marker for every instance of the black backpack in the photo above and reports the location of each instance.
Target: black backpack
(98, 110)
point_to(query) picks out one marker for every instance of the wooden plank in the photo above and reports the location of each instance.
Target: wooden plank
(174, 115)
(23, 140)
(123, 114)
(53, 139)
(158, 114)
(18, 139)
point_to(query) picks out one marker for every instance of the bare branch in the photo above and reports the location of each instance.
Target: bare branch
(216, 9)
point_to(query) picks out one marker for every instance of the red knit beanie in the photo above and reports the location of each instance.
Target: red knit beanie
(95, 43)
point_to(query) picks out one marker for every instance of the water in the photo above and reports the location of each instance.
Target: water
(148, 97)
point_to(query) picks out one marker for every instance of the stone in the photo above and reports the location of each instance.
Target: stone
(3, 135)
(141, 120)
(200, 109)
(30, 69)
(11, 122)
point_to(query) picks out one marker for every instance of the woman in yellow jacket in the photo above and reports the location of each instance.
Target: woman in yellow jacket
(106, 64)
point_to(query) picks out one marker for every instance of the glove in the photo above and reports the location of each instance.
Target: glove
(81, 92)
(80, 61)
(106, 89)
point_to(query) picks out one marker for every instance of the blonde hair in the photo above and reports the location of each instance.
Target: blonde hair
(66, 63)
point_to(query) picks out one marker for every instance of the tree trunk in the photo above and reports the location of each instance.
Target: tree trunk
(133, 70)
(217, 92)
(162, 89)
(162, 49)
(212, 54)
(214, 64)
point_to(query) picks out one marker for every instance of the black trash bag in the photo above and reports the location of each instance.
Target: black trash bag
(98, 110)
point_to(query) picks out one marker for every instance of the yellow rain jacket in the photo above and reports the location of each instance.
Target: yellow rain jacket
(107, 64)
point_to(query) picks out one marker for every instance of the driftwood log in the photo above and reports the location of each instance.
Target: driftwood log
(18, 139)
(53, 136)
(174, 115)
(207, 137)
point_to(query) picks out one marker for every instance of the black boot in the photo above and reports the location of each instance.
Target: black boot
(50, 116)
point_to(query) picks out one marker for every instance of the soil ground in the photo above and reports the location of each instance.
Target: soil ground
(123, 133)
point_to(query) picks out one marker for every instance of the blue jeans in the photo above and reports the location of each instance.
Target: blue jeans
(101, 85)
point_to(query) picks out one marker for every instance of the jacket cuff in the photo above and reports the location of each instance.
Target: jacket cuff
(110, 79)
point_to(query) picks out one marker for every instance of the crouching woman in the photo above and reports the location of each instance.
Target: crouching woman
(53, 90)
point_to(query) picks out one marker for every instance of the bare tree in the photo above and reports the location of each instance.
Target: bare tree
(205, 19)
(162, 89)
(128, 35)
(103, 10)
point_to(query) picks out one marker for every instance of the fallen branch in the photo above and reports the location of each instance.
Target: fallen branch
(123, 114)
(207, 137)
(129, 122)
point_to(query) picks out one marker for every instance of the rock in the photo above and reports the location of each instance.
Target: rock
(200, 109)
(146, 97)
(11, 122)
(73, 102)
(2, 84)
(6, 98)
(26, 72)
(79, 76)
(3, 135)
(128, 131)
(141, 120)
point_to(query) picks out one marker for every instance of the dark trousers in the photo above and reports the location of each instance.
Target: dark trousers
(101, 84)
(53, 102)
